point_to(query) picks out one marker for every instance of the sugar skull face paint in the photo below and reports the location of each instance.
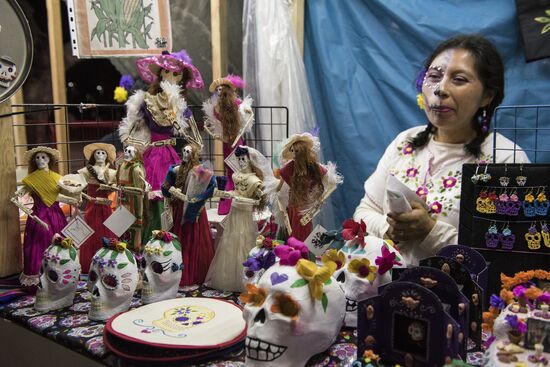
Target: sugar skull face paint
(453, 93)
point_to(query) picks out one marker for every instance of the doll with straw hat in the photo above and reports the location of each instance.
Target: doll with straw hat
(228, 118)
(46, 218)
(99, 158)
(153, 116)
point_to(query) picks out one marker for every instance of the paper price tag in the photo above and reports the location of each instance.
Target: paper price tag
(120, 221)
(78, 230)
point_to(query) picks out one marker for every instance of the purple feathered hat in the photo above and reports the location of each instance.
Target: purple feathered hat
(148, 67)
(234, 81)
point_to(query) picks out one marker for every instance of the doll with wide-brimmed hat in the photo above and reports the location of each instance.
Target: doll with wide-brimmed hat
(228, 118)
(154, 116)
(46, 218)
(99, 157)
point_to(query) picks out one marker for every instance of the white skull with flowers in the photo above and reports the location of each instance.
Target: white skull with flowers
(358, 273)
(286, 324)
(163, 267)
(59, 274)
(116, 280)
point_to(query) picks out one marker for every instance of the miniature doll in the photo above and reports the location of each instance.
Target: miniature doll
(131, 187)
(308, 184)
(186, 188)
(153, 116)
(239, 235)
(46, 218)
(97, 171)
(227, 119)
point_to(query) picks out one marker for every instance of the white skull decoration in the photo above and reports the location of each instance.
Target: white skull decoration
(116, 280)
(163, 267)
(129, 153)
(59, 274)
(8, 71)
(292, 314)
(358, 272)
(416, 331)
(186, 153)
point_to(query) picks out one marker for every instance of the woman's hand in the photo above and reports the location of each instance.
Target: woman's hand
(414, 225)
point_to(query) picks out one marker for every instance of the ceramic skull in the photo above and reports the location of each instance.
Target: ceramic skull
(59, 274)
(293, 313)
(359, 274)
(117, 278)
(163, 267)
(8, 71)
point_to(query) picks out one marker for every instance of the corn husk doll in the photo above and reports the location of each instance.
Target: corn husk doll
(153, 116)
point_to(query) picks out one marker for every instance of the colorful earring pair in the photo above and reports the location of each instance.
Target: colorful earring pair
(508, 204)
(485, 203)
(481, 177)
(506, 238)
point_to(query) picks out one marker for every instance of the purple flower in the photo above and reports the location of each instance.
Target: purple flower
(260, 261)
(497, 302)
(386, 261)
(126, 81)
(449, 182)
(516, 324)
(519, 291)
(420, 80)
(435, 207)
(422, 191)
(111, 263)
(252, 263)
(544, 298)
(407, 149)
(412, 172)
(489, 341)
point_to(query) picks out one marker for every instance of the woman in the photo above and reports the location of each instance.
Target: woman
(97, 171)
(239, 234)
(153, 116)
(462, 86)
(46, 218)
(186, 189)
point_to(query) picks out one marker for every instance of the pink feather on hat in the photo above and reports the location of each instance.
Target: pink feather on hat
(236, 80)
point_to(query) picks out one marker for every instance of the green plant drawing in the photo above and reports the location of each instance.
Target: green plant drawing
(119, 20)
(546, 20)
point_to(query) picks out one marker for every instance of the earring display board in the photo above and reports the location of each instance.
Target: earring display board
(504, 214)
(16, 50)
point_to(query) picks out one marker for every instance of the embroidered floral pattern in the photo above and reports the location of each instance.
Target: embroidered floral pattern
(412, 172)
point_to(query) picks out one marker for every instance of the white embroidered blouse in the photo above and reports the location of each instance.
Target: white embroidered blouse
(434, 170)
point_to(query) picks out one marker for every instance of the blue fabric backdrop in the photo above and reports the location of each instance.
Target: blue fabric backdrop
(362, 58)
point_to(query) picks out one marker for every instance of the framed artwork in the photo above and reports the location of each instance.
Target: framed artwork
(15, 48)
(104, 28)
(538, 331)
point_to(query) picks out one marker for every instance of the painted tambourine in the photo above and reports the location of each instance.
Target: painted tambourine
(16, 48)
(176, 329)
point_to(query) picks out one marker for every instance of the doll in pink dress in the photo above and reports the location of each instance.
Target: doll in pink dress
(153, 116)
(100, 157)
(46, 217)
(228, 118)
(304, 184)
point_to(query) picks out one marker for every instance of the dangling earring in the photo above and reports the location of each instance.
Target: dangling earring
(504, 180)
(521, 180)
(484, 121)
(533, 237)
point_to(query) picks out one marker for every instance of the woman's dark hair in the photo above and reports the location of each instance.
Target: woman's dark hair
(490, 70)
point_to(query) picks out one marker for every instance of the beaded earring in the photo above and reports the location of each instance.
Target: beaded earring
(542, 204)
(492, 237)
(529, 205)
(507, 238)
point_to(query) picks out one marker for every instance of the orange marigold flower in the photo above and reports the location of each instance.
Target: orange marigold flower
(533, 293)
(286, 305)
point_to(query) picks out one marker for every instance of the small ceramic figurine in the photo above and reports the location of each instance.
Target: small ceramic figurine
(46, 218)
(100, 156)
(58, 275)
(239, 235)
(153, 116)
(186, 188)
(131, 188)
(304, 186)
(163, 266)
(228, 118)
(115, 281)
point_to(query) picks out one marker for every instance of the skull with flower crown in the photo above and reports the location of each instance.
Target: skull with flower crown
(294, 312)
(59, 274)
(163, 267)
(363, 264)
(117, 277)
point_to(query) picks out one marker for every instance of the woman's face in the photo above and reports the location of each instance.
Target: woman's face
(453, 92)
(100, 156)
(42, 160)
(172, 77)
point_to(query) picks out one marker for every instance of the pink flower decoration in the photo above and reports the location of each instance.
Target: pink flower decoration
(407, 149)
(293, 251)
(422, 191)
(164, 236)
(386, 261)
(435, 207)
(412, 172)
(449, 182)
(352, 229)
